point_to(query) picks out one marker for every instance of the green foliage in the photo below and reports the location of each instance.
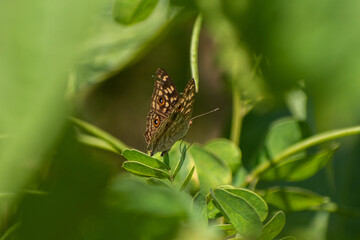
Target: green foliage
(59, 176)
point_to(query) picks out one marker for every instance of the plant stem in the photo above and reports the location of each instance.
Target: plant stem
(237, 116)
(300, 146)
(194, 51)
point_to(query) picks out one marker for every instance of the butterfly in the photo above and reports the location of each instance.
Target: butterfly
(170, 113)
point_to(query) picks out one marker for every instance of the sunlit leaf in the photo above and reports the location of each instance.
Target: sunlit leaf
(227, 151)
(239, 212)
(293, 199)
(96, 143)
(254, 200)
(274, 226)
(187, 179)
(211, 170)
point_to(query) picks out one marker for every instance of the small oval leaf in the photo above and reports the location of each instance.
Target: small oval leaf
(143, 170)
(254, 200)
(239, 212)
(135, 155)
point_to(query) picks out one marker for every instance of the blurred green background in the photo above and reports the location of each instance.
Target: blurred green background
(94, 60)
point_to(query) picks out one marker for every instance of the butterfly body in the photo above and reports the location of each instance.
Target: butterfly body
(170, 115)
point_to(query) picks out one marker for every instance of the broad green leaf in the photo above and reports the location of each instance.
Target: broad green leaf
(254, 200)
(143, 170)
(96, 142)
(112, 46)
(211, 170)
(200, 207)
(299, 168)
(156, 182)
(134, 11)
(293, 198)
(227, 151)
(39, 43)
(282, 134)
(274, 226)
(137, 156)
(187, 179)
(97, 132)
(239, 212)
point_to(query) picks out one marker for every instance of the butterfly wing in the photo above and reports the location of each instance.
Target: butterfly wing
(164, 98)
(177, 124)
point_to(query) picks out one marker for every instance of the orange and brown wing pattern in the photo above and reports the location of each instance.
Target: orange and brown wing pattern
(163, 100)
(185, 104)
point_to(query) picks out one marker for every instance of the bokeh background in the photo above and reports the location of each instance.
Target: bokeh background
(82, 59)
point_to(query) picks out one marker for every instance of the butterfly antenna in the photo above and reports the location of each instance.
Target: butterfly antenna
(214, 110)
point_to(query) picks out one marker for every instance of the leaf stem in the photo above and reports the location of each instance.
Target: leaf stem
(194, 51)
(300, 146)
(237, 116)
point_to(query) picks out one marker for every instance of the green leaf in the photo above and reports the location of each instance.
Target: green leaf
(293, 198)
(288, 238)
(180, 162)
(187, 179)
(200, 207)
(97, 132)
(274, 226)
(299, 168)
(156, 182)
(228, 229)
(213, 211)
(112, 46)
(227, 151)
(254, 200)
(96, 143)
(211, 170)
(143, 170)
(239, 212)
(134, 11)
(282, 134)
(296, 101)
(137, 156)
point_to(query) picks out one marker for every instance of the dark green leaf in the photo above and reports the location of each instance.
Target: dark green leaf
(200, 207)
(143, 170)
(299, 168)
(227, 151)
(293, 199)
(211, 170)
(187, 179)
(254, 200)
(137, 156)
(282, 134)
(134, 11)
(239, 212)
(274, 226)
